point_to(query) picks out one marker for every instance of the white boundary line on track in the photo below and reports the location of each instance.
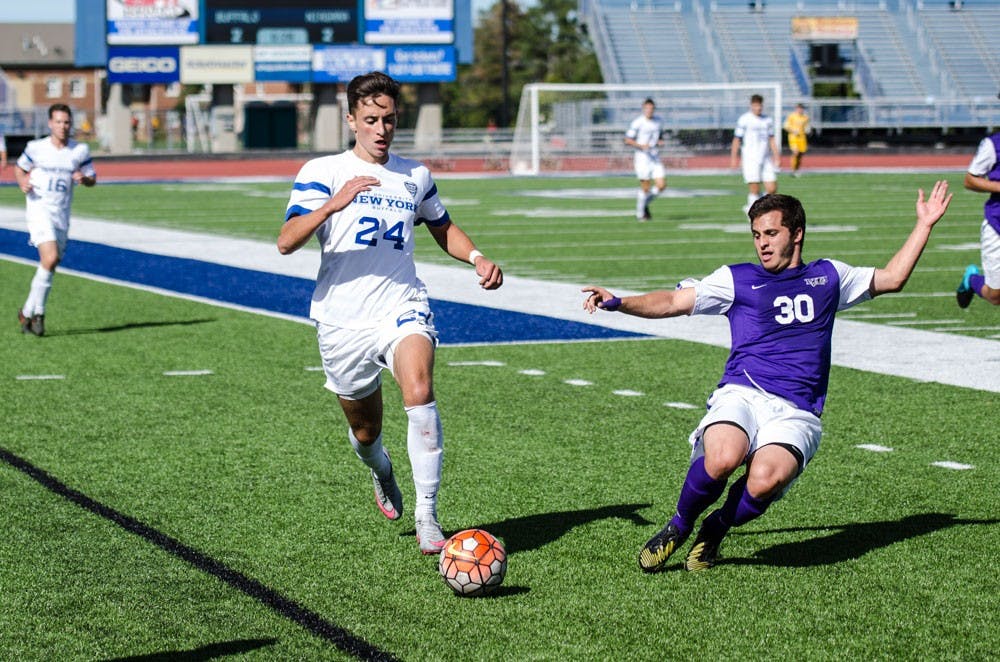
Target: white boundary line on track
(924, 356)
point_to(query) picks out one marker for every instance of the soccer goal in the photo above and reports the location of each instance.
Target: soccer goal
(564, 127)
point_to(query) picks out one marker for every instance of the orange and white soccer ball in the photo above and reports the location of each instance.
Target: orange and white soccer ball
(473, 562)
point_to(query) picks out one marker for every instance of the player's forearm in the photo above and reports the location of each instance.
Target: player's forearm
(453, 241)
(655, 305)
(981, 184)
(297, 231)
(899, 269)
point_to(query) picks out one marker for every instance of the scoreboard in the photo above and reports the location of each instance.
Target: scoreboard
(281, 22)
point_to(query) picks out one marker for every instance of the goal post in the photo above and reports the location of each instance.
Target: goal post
(565, 126)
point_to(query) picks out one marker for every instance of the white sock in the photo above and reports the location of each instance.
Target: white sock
(752, 198)
(39, 293)
(424, 443)
(373, 454)
(640, 204)
(653, 192)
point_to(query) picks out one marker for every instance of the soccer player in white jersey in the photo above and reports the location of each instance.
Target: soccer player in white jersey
(371, 310)
(644, 134)
(46, 172)
(754, 144)
(765, 412)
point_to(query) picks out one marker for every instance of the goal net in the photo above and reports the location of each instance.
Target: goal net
(581, 127)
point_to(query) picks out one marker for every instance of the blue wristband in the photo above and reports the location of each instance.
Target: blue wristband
(611, 304)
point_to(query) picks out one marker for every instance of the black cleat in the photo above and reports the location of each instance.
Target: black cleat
(659, 548)
(705, 550)
(646, 216)
(38, 325)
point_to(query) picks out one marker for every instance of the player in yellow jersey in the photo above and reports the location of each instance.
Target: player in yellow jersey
(797, 126)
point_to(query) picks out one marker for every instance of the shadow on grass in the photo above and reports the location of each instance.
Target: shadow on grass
(523, 534)
(209, 652)
(127, 327)
(849, 541)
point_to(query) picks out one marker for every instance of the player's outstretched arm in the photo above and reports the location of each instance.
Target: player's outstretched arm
(653, 305)
(980, 184)
(453, 241)
(893, 277)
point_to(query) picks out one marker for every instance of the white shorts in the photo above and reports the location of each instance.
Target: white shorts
(767, 419)
(41, 228)
(989, 240)
(759, 171)
(648, 167)
(353, 359)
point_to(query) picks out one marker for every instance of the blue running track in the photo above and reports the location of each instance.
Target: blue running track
(457, 323)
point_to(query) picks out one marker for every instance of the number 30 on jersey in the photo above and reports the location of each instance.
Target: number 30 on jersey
(801, 309)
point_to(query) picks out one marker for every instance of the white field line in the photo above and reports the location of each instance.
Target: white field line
(948, 464)
(924, 356)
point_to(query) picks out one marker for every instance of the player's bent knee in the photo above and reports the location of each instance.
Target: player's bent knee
(721, 464)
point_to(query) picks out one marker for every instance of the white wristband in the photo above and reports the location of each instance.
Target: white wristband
(473, 255)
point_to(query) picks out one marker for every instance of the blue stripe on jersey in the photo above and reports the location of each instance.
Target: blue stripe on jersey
(432, 192)
(444, 220)
(296, 210)
(87, 162)
(311, 186)
(455, 322)
(25, 155)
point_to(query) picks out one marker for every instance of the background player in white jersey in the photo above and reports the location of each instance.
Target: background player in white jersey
(765, 412)
(46, 172)
(754, 144)
(983, 176)
(371, 310)
(644, 134)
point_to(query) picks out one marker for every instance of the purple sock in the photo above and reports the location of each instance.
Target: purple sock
(698, 493)
(976, 283)
(739, 507)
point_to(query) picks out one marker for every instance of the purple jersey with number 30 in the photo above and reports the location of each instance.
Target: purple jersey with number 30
(782, 324)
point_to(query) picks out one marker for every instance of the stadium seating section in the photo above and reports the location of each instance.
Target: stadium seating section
(907, 50)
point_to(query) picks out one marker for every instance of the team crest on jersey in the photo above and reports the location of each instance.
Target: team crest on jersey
(815, 282)
(411, 187)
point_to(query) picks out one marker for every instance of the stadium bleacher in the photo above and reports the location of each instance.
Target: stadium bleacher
(913, 62)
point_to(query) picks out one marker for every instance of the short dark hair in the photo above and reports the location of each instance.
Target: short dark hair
(371, 84)
(60, 108)
(650, 101)
(756, 98)
(793, 216)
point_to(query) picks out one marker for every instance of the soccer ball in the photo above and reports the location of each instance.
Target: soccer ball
(473, 562)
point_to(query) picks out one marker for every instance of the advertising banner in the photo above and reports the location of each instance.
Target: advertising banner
(201, 65)
(421, 64)
(139, 22)
(143, 64)
(339, 64)
(825, 28)
(283, 63)
(409, 22)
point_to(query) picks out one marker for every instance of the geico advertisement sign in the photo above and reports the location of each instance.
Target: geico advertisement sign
(134, 65)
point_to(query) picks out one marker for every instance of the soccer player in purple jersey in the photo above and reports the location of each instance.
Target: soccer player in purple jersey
(765, 412)
(983, 176)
